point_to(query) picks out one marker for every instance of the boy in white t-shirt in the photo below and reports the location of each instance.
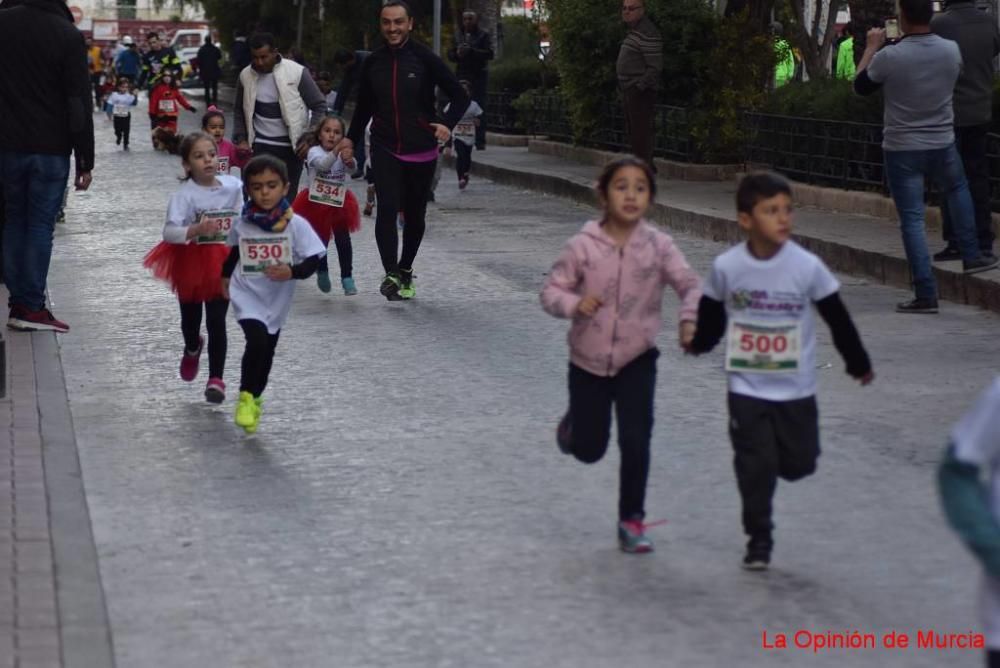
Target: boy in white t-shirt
(760, 295)
(464, 137)
(972, 508)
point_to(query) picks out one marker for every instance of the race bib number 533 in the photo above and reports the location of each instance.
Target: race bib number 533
(764, 347)
(258, 253)
(223, 221)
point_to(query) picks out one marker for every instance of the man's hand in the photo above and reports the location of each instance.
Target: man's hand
(463, 51)
(588, 306)
(441, 132)
(241, 144)
(686, 334)
(875, 39)
(82, 180)
(225, 289)
(279, 272)
(302, 150)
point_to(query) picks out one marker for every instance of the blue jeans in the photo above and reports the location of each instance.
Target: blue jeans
(906, 172)
(33, 186)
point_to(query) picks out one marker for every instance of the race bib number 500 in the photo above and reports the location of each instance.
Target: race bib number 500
(259, 253)
(764, 347)
(328, 192)
(223, 223)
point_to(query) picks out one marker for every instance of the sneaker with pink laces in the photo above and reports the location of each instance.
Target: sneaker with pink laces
(215, 391)
(189, 361)
(632, 537)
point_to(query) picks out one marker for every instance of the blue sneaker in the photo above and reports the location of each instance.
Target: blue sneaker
(632, 537)
(348, 284)
(323, 281)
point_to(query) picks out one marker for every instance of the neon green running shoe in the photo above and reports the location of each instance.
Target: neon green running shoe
(247, 413)
(406, 288)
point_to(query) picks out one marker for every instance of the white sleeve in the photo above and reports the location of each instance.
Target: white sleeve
(823, 283)
(714, 287)
(475, 109)
(180, 214)
(976, 436)
(305, 241)
(320, 160)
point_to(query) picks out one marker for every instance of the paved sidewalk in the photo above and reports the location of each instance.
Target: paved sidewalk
(855, 244)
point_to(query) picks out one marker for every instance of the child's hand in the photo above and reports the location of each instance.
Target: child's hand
(347, 155)
(194, 110)
(225, 289)
(588, 306)
(867, 378)
(279, 272)
(205, 228)
(686, 334)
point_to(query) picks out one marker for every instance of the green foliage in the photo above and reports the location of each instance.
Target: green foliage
(517, 76)
(520, 39)
(832, 99)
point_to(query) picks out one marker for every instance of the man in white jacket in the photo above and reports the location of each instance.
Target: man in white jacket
(276, 102)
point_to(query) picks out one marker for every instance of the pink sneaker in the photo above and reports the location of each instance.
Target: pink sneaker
(215, 391)
(189, 361)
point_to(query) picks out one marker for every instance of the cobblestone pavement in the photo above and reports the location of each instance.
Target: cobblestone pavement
(404, 503)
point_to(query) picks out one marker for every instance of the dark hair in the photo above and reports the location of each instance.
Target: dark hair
(260, 39)
(342, 56)
(312, 137)
(757, 186)
(187, 144)
(151, 35)
(209, 115)
(917, 12)
(396, 3)
(323, 76)
(123, 79)
(262, 163)
(610, 169)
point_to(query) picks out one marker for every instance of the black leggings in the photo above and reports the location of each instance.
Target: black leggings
(400, 186)
(215, 323)
(258, 356)
(345, 254)
(463, 158)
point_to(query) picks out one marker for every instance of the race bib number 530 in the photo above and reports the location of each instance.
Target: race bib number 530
(763, 347)
(258, 253)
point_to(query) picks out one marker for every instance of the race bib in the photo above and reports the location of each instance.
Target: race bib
(465, 130)
(764, 347)
(258, 253)
(121, 110)
(223, 165)
(327, 191)
(223, 220)
(167, 106)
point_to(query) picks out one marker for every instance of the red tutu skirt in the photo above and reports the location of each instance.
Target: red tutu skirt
(194, 271)
(326, 220)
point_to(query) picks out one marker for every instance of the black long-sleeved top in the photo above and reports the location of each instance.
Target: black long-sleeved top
(300, 271)
(473, 63)
(351, 76)
(712, 327)
(397, 94)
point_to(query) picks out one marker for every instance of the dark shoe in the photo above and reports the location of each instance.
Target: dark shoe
(35, 321)
(981, 263)
(118, 140)
(949, 254)
(758, 555)
(390, 287)
(564, 435)
(463, 181)
(430, 196)
(918, 306)
(480, 147)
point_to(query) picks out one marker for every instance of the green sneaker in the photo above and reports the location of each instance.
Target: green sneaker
(390, 286)
(406, 288)
(247, 413)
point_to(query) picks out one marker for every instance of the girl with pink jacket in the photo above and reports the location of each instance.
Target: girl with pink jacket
(609, 280)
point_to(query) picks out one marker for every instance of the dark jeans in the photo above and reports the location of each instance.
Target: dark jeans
(771, 440)
(480, 84)
(345, 253)
(463, 158)
(215, 323)
(971, 144)
(95, 82)
(992, 658)
(400, 186)
(123, 125)
(33, 186)
(631, 392)
(211, 91)
(906, 172)
(639, 107)
(257, 357)
(287, 156)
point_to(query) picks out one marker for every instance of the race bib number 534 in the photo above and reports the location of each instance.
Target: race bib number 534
(258, 253)
(328, 192)
(764, 347)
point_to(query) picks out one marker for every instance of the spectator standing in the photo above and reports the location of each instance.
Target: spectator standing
(917, 75)
(473, 49)
(45, 115)
(352, 62)
(845, 68)
(159, 59)
(978, 40)
(240, 52)
(274, 98)
(95, 62)
(640, 62)
(129, 62)
(209, 70)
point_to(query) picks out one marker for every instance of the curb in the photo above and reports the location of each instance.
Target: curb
(885, 269)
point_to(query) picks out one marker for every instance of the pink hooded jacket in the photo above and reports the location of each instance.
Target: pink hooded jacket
(630, 282)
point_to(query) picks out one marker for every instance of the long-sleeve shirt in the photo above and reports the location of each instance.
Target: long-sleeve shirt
(473, 62)
(640, 59)
(164, 99)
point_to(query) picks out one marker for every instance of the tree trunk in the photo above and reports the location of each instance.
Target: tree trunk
(814, 54)
(867, 14)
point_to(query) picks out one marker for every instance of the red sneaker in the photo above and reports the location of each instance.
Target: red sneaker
(189, 361)
(42, 320)
(215, 391)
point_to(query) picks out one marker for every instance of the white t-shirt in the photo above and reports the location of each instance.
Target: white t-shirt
(465, 129)
(256, 297)
(976, 437)
(327, 165)
(122, 103)
(191, 201)
(772, 294)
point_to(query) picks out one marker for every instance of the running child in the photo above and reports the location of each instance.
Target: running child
(328, 204)
(164, 100)
(464, 137)
(190, 257)
(122, 101)
(609, 280)
(270, 246)
(213, 123)
(760, 294)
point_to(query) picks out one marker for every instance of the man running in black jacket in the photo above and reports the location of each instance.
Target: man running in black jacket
(397, 94)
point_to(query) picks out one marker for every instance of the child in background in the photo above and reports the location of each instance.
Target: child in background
(325, 84)
(164, 101)
(328, 204)
(464, 137)
(213, 123)
(122, 101)
(191, 254)
(609, 280)
(109, 85)
(765, 289)
(270, 246)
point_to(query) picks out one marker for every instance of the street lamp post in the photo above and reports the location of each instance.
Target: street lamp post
(437, 27)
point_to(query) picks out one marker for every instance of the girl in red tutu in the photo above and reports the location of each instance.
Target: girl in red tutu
(328, 204)
(190, 257)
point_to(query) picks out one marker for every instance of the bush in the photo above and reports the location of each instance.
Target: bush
(517, 76)
(520, 38)
(831, 99)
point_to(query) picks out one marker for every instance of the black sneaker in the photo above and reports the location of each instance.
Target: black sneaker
(564, 435)
(949, 254)
(758, 555)
(390, 286)
(918, 306)
(981, 263)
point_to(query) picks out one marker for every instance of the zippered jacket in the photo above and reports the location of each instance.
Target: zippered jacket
(397, 94)
(629, 281)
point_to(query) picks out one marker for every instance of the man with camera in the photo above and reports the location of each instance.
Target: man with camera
(917, 74)
(473, 49)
